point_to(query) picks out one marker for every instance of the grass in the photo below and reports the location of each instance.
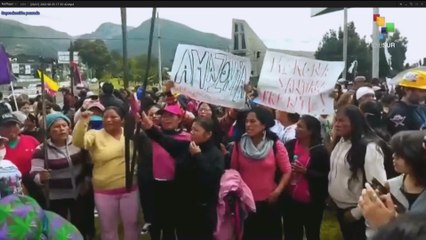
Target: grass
(329, 229)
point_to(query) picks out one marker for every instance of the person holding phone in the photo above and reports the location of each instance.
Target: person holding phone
(409, 188)
(199, 167)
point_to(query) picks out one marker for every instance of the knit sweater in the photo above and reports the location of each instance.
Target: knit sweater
(107, 154)
(65, 165)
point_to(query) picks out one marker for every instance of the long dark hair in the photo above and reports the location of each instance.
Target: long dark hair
(240, 125)
(361, 136)
(373, 113)
(409, 145)
(314, 126)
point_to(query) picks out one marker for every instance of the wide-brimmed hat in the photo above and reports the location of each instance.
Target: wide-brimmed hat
(23, 218)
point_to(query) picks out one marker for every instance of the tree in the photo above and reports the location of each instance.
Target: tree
(398, 52)
(331, 49)
(95, 54)
(116, 65)
(137, 66)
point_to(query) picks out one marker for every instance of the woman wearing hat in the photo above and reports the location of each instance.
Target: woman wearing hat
(62, 171)
(23, 218)
(19, 150)
(199, 166)
(156, 174)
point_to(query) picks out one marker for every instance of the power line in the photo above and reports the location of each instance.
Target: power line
(69, 39)
(103, 39)
(74, 39)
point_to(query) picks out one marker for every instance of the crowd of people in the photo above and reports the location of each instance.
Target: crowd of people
(208, 172)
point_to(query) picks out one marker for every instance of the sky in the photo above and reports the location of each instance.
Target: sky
(282, 28)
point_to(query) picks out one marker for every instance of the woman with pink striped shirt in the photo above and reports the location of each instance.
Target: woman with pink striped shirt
(259, 156)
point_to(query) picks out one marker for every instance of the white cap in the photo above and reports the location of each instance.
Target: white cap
(360, 79)
(90, 93)
(362, 91)
(20, 116)
(376, 88)
(341, 80)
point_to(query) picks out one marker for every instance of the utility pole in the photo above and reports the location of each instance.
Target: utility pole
(71, 67)
(44, 126)
(160, 69)
(345, 41)
(375, 47)
(124, 36)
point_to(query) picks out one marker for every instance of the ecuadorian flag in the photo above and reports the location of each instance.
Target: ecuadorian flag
(49, 83)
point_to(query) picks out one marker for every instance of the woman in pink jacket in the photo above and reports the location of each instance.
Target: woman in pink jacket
(259, 157)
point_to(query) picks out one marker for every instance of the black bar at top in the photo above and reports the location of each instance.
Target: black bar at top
(239, 4)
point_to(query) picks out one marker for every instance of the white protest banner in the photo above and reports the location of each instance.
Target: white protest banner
(297, 84)
(27, 69)
(15, 68)
(211, 75)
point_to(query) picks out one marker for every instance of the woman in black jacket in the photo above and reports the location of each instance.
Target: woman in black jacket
(304, 202)
(199, 167)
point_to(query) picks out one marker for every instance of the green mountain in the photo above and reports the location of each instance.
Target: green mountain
(20, 38)
(106, 31)
(25, 39)
(172, 33)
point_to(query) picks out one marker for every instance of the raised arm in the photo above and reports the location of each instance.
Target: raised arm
(172, 146)
(81, 137)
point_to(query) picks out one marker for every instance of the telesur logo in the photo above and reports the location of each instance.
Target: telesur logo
(384, 29)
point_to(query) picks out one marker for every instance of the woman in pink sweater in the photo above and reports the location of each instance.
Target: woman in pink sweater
(260, 157)
(156, 174)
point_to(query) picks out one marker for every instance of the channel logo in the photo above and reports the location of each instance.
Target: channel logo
(385, 27)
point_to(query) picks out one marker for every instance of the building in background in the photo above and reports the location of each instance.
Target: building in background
(246, 43)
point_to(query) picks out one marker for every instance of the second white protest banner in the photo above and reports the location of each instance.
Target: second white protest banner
(211, 75)
(297, 84)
